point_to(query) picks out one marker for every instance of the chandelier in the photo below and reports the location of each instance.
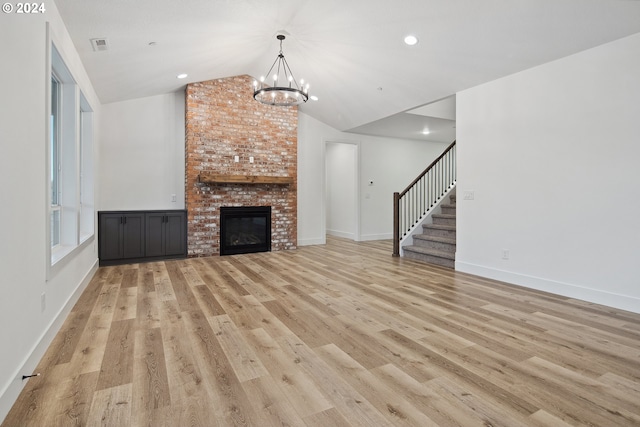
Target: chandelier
(280, 87)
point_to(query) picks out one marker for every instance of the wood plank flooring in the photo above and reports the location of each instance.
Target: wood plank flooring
(334, 335)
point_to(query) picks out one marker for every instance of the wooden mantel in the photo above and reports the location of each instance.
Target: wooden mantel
(212, 178)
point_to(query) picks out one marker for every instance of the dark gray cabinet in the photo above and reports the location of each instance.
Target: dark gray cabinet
(138, 236)
(121, 236)
(166, 233)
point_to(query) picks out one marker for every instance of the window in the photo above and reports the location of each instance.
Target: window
(71, 206)
(54, 164)
(87, 213)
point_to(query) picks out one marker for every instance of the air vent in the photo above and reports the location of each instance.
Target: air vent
(99, 45)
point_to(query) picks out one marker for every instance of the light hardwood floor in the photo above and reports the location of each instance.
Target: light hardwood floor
(334, 335)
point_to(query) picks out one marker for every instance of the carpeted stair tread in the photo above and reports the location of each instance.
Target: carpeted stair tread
(429, 251)
(448, 216)
(435, 238)
(437, 243)
(440, 227)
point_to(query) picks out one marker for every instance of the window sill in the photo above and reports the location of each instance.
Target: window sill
(84, 237)
(61, 251)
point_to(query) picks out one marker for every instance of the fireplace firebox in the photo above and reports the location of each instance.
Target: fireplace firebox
(245, 229)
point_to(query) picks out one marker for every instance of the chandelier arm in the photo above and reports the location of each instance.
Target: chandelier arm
(280, 58)
(293, 79)
(269, 72)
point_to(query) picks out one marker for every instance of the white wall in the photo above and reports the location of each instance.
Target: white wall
(142, 160)
(390, 163)
(311, 206)
(26, 331)
(552, 154)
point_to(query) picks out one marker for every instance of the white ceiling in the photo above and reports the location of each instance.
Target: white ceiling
(350, 51)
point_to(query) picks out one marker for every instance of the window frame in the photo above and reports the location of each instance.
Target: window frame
(54, 162)
(70, 164)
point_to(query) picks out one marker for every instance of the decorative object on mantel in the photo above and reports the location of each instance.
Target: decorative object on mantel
(274, 91)
(211, 178)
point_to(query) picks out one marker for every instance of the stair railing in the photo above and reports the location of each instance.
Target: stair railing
(413, 203)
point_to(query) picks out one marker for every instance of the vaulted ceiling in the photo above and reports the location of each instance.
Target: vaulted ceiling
(350, 51)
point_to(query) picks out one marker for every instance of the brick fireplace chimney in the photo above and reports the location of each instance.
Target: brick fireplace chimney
(229, 134)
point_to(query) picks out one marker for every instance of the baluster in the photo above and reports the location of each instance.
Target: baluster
(422, 209)
(413, 208)
(430, 188)
(406, 210)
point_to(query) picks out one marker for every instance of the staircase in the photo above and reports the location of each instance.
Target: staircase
(437, 243)
(418, 204)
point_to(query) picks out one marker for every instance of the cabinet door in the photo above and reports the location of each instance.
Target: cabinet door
(110, 236)
(175, 233)
(133, 235)
(155, 234)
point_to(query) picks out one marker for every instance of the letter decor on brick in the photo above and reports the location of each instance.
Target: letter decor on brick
(238, 153)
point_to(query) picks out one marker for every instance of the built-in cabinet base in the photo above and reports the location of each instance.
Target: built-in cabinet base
(140, 236)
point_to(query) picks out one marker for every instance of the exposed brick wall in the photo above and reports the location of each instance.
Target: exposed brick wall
(222, 121)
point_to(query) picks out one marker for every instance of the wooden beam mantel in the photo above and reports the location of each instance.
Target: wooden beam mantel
(212, 178)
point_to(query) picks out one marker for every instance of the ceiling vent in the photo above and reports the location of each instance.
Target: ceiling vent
(99, 45)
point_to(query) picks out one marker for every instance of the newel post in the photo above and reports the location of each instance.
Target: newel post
(396, 224)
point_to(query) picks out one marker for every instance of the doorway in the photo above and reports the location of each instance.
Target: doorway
(341, 190)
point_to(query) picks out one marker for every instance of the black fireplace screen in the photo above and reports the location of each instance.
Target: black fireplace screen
(245, 229)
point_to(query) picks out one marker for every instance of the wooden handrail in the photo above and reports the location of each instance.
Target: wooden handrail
(437, 188)
(403, 192)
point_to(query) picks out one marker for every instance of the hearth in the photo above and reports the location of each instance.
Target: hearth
(245, 229)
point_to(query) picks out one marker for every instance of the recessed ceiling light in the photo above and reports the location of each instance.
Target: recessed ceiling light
(426, 131)
(411, 40)
(313, 98)
(182, 76)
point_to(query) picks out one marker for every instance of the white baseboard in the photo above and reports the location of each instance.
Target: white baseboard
(623, 302)
(343, 234)
(10, 394)
(309, 242)
(368, 237)
(363, 237)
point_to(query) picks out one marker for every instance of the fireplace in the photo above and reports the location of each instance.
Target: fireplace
(245, 229)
